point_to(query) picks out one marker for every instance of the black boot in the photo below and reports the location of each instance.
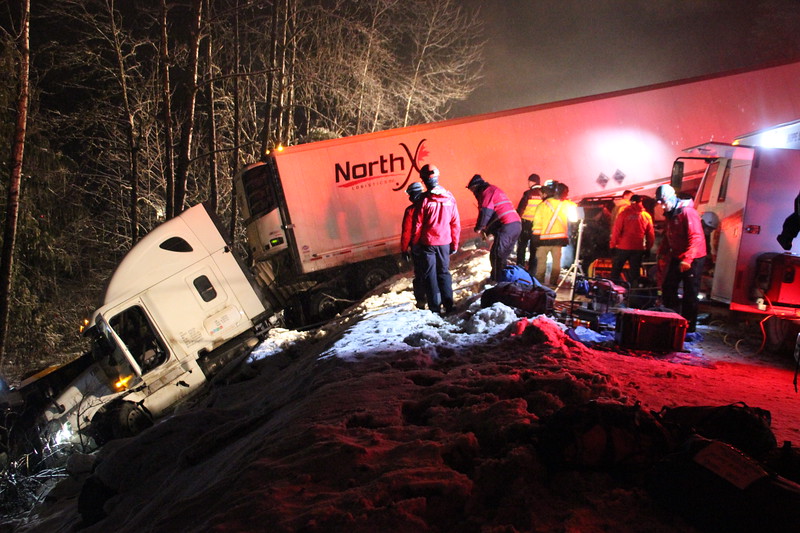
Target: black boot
(784, 241)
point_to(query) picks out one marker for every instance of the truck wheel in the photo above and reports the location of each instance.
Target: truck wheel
(293, 313)
(369, 278)
(323, 305)
(128, 419)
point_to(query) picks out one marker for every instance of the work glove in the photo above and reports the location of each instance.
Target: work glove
(406, 257)
(684, 266)
(452, 249)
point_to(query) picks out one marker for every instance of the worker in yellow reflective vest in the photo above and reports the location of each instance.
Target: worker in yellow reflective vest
(551, 221)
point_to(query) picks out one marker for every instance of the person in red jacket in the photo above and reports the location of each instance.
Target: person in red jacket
(498, 217)
(682, 254)
(408, 245)
(437, 228)
(631, 239)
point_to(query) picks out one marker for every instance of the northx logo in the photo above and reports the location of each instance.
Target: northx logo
(391, 166)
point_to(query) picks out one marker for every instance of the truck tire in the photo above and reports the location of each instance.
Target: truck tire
(368, 276)
(323, 305)
(128, 419)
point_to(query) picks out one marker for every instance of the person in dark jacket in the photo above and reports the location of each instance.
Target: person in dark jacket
(437, 228)
(682, 254)
(496, 217)
(527, 205)
(408, 245)
(791, 226)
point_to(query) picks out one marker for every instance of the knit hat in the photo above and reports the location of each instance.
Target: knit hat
(414, 190)
(429, 175)
(476, 181)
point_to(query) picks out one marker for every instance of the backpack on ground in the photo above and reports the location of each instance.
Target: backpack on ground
(516, 274)
(533, 300)
(747, 428)
(603, 435)
(719, 488)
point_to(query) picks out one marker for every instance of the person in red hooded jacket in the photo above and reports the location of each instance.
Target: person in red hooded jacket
(682, 254)
(631, 239)
(437, 229)
(408, 245)
(498, 217)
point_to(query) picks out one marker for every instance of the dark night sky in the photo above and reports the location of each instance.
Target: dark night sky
(547, 50)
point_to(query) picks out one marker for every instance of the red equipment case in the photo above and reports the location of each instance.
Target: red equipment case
(650, 330)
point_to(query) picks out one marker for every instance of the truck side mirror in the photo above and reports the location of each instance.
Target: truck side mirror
(676, 180)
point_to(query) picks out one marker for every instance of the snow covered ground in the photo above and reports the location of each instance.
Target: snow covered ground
(395, 419)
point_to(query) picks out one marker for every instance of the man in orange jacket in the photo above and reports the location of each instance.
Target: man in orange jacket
(631, 238)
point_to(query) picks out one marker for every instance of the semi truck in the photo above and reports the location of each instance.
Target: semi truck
(179, 309)
(322, 227)
(323, 219)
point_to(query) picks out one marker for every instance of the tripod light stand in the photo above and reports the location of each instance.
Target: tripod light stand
(575, 269)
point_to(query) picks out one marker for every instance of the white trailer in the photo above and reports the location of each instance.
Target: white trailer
(332, 209)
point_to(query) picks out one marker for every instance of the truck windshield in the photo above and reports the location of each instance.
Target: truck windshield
(257, 183)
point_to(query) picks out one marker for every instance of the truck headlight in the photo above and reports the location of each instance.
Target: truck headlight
(63, 435)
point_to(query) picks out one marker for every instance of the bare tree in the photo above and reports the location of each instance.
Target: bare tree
(166, 113)
(234, 166)
(443, 60)
(15, 177)
(130, 120)
(112, 115)
(377, 63)
(266, 139)
(213, 178)
(190, 90)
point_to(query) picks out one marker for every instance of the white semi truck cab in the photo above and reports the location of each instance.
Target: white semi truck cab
(178, 308)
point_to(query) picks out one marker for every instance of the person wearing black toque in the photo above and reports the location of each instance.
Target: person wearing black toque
(498, 217)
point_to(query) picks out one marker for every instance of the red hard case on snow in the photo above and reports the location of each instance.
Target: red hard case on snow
(650, 330)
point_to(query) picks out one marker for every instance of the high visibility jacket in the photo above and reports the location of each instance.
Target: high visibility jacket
(436, 222)
(551, 219)
(493, 207)
(683, 234)
(527, 204)
(633, 229)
